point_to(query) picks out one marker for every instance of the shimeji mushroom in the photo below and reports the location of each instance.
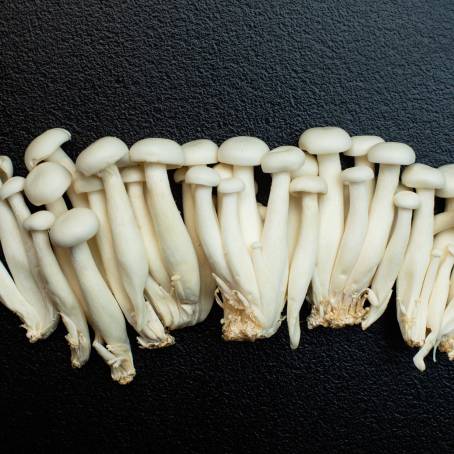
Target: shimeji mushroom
(175, 243)
(11, 191)
(20, 267)
(270, 254)
(391, 156)
(243, 153)
(71, 230)
(357, 178)
(410, 280)
(326, 143)
(100, 159)
(94, 189)
(226, 171)
(78, 337)
(304, 259)
(437, 305)
(381, 289)
(47, 147)
(358, 150)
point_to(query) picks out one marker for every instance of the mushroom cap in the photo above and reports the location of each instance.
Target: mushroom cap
(224, 170)
(11, 187)
(41, 220)
(448, 190)
(158, 151)
(200, 152)
(309, 167)
(230, 185)
(325, 140)
(282, 159)
(361, 145)
(407, 199)
(83, 184)
(133, 174)
(202, 176)
(74, 227)
(392, 153)
(6, 168)
(242, 151)
(44, 145)
(180, 174)
(422, 176)
(309, 183)
(357, 174)
(101, 154)
(46, 183)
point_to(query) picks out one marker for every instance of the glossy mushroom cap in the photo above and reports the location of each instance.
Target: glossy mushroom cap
(362, 144)
(46, 183)
(202, 176)
(200, 152)
(242, 151)
(230, 185)
(308, 183)
(282, 159)
(12, 186)
(309, 167)
(39, 221)
(407, 199)
(158, 151)
(448, 190)
(357, 174)
(6, 168)
(43, 146)
(83, 184)
(325, 140)
(132, 174)
(422, 176)
(101, 154)
(223, 170)
(74, 227)
(392, 153)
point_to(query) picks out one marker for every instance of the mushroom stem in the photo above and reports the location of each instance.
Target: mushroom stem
(177, 250)
(302, 265)
(364, 161)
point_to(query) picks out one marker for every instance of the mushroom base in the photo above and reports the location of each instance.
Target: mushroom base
(338, 312)
(447, 346)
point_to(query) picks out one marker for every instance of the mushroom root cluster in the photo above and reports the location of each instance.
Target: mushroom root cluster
(107, 245)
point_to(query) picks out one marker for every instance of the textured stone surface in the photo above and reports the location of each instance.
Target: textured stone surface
(216, 69)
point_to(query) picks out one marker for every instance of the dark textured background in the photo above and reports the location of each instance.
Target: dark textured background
(201, 69)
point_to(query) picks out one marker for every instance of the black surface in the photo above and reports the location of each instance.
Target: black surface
(181, 70)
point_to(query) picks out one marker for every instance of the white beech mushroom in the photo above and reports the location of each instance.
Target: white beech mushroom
(243, 153)
(410, 280)
(270, 255)
(357, 179)
(71, 230)
(381, 289)
(437, 305)
(47, 147)
(304, 259)
(226, 171)
(391, 156)
(198, 152)
(100, 159)
(175, 243)
(358, 150)
(78, 337)
(19, 265)
(326, 143)
(309, 167)
(11, 191)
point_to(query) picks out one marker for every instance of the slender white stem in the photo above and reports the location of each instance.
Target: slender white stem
(302, 265)
(364, 161)
(176, 247)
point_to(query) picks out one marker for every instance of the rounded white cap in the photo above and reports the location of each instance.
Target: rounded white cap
(200, 152)
(230, 185)
(158, 151)
(39, 221)
(407, 199)
(12, 186)
(309, 183)
(324, 140)
(357, 174)
(309, 167)
(391, 153)
(361, 145)
(132, 174)
(282, 159)
(448, 190)
(422, 176)
(242, 151)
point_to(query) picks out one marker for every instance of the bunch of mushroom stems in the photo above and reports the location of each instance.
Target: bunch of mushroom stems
(101, 243)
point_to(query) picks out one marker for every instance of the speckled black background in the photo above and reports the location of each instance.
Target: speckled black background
(215, 69)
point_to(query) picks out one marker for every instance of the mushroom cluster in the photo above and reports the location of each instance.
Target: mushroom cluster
(109, 246)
